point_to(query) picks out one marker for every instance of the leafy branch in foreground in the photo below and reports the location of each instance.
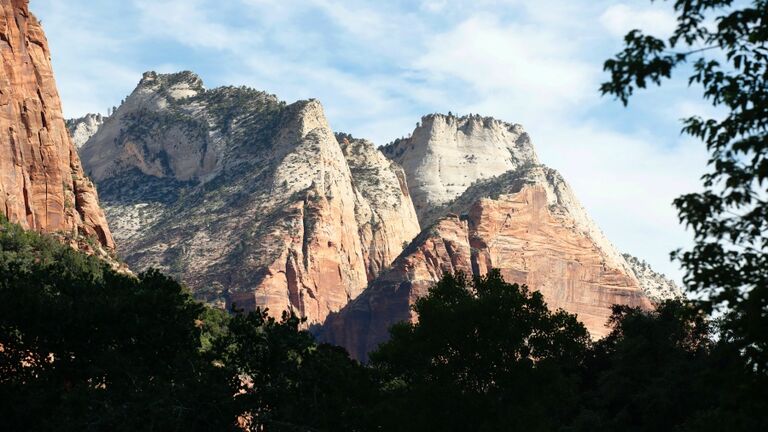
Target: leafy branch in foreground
(728, 263)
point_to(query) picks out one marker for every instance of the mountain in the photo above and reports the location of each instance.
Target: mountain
(83, 128)
(525, 221)
(251, 201)
(42, 184)
(446, 154)
(257, 203)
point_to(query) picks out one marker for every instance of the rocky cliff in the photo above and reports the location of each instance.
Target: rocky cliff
(254, 202)
(83, 128)
(446, 154)
(487, 203)
(250, 201)
(42, 185)
(528, 224)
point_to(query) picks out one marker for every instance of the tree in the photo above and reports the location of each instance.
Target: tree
(728, 262)
(484, 355)
(85, 348)
(284, 381)
(663, 370)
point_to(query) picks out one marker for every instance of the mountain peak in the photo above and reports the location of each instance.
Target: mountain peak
(446, 154)
(175, 85)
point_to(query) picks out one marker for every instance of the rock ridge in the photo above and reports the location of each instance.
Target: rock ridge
(446, 154)
(526, 224)
(251, 201)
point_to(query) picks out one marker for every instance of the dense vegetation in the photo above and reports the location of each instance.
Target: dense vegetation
(85, 348)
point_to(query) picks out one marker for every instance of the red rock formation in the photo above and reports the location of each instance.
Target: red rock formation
(42, 185)
(365, 322)
(533, 231)
(532, 246)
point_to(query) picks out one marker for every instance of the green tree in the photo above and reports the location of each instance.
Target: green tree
(662, 370)
(84, 348)
(484, 355)
(284, 381)
(728, 262)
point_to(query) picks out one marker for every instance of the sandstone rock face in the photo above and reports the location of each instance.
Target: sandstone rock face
(83, 128)
(526, 223)
(250, 201)
(385, 216)
(447, 154)
(364, 323)
(42, 185)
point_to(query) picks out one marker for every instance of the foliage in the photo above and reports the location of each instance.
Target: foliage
(662, 370)
(284, 381)
(485, 355)
(86, 348)
(730, 217)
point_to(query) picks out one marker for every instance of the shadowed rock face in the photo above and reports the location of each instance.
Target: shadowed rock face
(250, 201)
(525, 223)
(42, 185)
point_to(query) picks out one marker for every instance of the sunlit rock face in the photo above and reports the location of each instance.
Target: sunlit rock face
(83, 128)
(446, 154)
(257, 203)
(385, 215)
(42, 185)
(527, 223)
(250, 201)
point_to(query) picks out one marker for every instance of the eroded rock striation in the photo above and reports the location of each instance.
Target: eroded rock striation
(251, 201)
(525, 223)
(42, 184)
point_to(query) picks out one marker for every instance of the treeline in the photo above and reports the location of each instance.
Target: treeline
(84, 348)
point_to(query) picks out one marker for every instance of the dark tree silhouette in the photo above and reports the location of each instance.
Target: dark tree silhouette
(84, 348)
(484, 355)
(729, 218)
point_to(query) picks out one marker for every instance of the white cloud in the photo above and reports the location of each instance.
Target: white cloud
(434, 6)
(193, 22)
(657, 20)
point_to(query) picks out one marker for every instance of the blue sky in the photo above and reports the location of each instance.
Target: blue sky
(378, 66)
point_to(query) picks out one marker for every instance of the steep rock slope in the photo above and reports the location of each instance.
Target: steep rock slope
(655, 285)
(446, 154)
(42, 185)
(250, 201)
(526, 223)
(383, 208)
(83, 128)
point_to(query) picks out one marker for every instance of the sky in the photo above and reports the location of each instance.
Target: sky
(378, 66)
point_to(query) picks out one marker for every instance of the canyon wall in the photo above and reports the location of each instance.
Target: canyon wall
(42, 184)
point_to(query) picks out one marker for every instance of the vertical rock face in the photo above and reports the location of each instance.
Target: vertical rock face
(42, 185)
(383, 207)
(525, 223)
(447, 154)
(364, 323)
(250, 201)
(83, 128)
